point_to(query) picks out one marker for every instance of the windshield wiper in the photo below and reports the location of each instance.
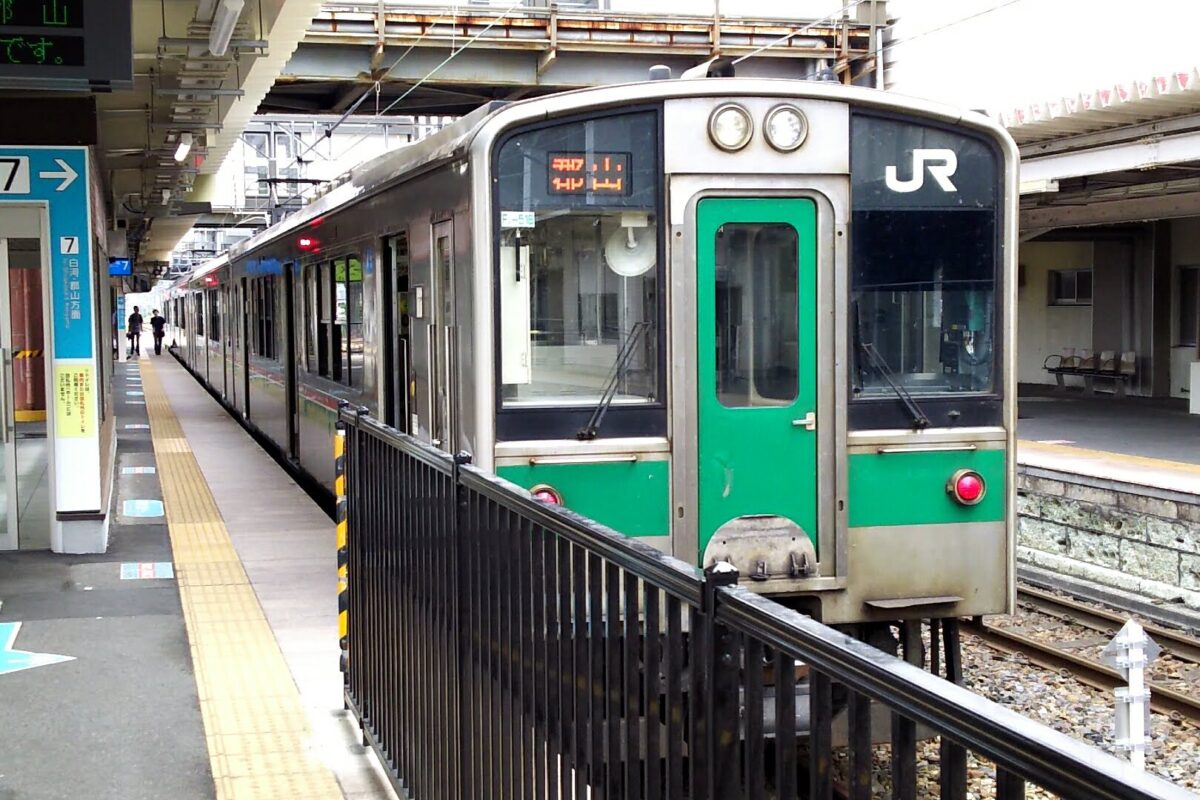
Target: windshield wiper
(919, 420)
(592, 428)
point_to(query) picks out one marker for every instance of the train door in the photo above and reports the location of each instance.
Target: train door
(398, 382)
(222, 323)
(289, 364)
(756, 370)
(243, 324)
(231, 331)
(441, 329)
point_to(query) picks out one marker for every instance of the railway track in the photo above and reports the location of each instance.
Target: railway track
(1163, 698)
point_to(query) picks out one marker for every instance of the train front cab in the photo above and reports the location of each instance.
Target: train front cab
(810, 372)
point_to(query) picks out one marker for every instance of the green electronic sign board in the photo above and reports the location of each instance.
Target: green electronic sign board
(66, 44)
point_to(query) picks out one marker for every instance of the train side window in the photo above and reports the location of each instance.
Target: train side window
(757, 314)
(354, 322)
(341, 358)
(214, 315)
(308, 287)
(333, 312)
(199, 316)
(269, 318)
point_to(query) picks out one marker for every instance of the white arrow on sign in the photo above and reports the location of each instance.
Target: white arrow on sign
(67, 175)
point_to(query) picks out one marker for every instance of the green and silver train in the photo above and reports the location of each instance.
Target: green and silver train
(767, 322)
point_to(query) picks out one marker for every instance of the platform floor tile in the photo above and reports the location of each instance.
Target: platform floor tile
(256, 726)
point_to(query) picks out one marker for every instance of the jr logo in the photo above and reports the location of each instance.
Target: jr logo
(940, 163)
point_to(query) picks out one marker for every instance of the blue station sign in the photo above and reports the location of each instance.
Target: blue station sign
(58, 177)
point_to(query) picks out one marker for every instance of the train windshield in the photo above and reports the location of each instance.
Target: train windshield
(924, 260)
(579, 271)
(923, 300)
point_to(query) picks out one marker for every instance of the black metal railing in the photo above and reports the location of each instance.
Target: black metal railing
(500, 647)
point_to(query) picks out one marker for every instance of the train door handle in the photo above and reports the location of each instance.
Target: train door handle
(809, 422)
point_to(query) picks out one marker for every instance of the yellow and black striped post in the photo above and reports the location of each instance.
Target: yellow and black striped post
(339, 488)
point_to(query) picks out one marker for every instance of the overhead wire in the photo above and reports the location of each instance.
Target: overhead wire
(375, 86)
(378, 117)
(920, 34)
(803, 29)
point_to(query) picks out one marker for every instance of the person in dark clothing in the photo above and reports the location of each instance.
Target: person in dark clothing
(158, 328)
(135, 332)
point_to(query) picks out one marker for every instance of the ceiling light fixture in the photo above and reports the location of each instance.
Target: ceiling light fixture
(224, 20)
(185, 146)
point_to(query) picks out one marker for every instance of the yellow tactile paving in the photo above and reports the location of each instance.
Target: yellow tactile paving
(257, 732)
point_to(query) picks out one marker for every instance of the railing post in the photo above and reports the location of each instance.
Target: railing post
(343, 582)
(720, 701)
(462, 634)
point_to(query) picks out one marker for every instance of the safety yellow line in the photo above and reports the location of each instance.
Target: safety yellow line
(1071, 451)
(258, 736)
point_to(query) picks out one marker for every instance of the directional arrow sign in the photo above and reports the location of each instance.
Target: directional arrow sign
(65, 174)
(17, 660)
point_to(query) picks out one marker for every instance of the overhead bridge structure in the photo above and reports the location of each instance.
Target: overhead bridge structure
(441, 60)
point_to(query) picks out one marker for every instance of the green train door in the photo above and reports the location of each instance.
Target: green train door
(756, 312)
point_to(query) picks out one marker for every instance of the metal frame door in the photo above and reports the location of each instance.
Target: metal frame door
(9, 538)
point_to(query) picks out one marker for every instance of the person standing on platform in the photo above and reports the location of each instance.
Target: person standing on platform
(158, 327)
(135, 332)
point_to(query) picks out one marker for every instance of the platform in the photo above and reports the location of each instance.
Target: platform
(198, 657)
(1147, 442)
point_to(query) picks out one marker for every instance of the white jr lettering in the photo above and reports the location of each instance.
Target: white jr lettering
(940, 163)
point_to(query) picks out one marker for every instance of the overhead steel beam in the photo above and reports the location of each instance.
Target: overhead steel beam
(1090, 212)
(193, 90)
(1144, 154)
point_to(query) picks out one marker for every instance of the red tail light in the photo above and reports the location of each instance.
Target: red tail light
(546, 493)
(966, 487)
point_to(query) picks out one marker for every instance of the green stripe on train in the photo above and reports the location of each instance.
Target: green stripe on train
(630, 497)
(910, 488)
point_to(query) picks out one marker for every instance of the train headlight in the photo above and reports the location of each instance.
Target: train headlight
(966, 487)
(786, 127)
(546, 493)
(730, 127)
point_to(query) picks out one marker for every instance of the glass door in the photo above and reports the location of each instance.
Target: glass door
(756, 311)
(25, 460)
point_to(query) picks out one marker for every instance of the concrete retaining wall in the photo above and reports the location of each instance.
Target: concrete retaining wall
(1129, 537)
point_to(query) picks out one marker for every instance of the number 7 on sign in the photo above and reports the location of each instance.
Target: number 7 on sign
(68, 245)
(14, 174)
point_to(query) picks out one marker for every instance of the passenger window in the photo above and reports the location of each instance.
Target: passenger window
(310, 326)
(335, 316)
(354, 316)
(757, 314)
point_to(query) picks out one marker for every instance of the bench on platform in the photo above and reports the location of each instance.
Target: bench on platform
(1088, 365)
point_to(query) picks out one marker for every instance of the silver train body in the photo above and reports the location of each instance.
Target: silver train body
(797, 358)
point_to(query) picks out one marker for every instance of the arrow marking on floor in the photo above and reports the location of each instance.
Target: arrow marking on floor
(16, 660)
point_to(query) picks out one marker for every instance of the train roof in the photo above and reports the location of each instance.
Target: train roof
(455, 140)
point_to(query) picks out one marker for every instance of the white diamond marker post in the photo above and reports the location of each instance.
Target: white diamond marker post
(1130, 652)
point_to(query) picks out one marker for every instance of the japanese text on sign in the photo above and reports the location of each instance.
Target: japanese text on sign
(42, 13)
(73, 401)
(583, 173)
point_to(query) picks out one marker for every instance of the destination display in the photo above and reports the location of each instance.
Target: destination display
(48, 14)
(581, 173)
(38, 49)
(62, 44)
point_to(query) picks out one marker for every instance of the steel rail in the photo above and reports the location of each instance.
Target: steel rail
(1162, 698)
(1069, 609)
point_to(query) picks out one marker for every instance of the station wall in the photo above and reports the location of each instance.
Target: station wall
(1043, 329)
